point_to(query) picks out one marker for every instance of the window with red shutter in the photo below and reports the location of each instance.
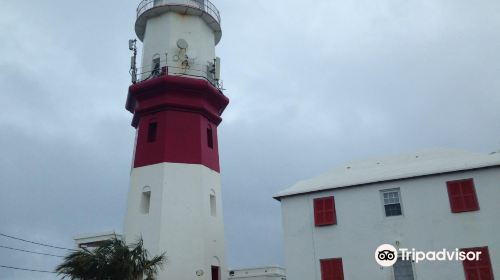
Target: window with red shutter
(462, 195)
(481, 269)
(324, 211)
(331, 269)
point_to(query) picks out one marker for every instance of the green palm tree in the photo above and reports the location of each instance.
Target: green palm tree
(112, 260)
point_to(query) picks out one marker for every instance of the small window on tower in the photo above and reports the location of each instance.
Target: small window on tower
(210, 138)
(213, 204)
(145, 200)
(155, 69)
(152, 131)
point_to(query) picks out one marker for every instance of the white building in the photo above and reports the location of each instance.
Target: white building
(258, 273)
(95, 239)
(433, 200)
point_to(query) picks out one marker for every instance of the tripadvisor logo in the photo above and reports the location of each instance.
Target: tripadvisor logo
(387, 255)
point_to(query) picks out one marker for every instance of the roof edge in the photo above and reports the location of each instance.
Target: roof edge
(279, 196)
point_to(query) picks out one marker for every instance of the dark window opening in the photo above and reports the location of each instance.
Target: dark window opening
(146, 200)
(210, 139)
(215, 273)
(152, 131)
(392, 210)
(155, 71)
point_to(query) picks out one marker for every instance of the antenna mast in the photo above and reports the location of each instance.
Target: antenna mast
(132, 45)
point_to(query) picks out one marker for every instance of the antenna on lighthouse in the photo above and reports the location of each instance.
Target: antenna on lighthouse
(217, 68)
(132, 45)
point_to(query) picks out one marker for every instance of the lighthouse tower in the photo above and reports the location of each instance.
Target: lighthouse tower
(174, 201)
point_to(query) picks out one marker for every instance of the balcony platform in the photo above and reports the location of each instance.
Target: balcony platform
(202, 8)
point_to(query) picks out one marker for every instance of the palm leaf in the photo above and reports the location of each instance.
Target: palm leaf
(112, 260)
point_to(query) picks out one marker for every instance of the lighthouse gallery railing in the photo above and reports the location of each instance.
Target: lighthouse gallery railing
(204, 5)
(173, 68)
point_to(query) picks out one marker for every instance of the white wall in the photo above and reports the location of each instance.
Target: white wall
(163, 32)
(179, 221)
(427, 224)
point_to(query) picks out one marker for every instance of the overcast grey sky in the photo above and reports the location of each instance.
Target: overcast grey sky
(312, 84)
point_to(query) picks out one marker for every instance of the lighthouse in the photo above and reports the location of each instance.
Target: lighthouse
(174, 201)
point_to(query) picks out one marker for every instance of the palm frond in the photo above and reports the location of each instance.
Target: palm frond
(112, 260)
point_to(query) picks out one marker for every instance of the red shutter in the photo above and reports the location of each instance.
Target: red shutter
(454, 195)
(318, 211)
(331, 214)
(338, 270)
(481, 269)
(331, 269)
(326, 273)
(462, 195)
(324, 211)
(469, 195)
(471, 274)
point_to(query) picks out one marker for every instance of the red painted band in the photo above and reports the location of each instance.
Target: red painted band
(176, 92)
(185, 113)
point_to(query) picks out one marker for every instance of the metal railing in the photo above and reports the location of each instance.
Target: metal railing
(174, 68)
(204, 5)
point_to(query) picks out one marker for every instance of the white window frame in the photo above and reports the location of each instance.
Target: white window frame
(391, 190)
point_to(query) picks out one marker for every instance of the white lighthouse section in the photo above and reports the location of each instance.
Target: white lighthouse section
(162, 23)
(177, 209)
(157, 44)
